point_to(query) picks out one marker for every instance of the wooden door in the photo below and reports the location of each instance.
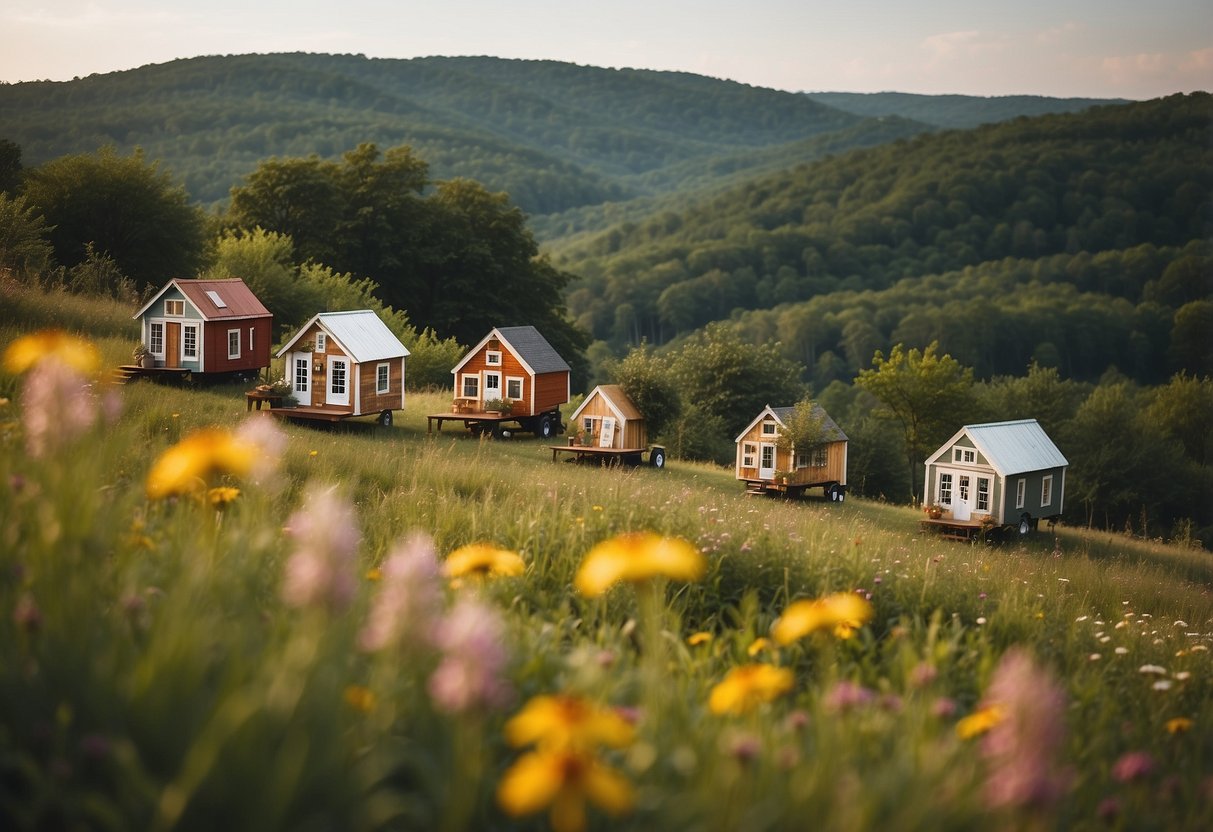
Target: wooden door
(172, 344)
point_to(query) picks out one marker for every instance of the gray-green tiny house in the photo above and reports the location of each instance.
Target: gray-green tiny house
(1004, 473)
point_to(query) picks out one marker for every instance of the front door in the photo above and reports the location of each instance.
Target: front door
(302, 378)
(338, 391)
(492, 386)
(962, 501)
(606, 438)
(766, 461)
(172, 344)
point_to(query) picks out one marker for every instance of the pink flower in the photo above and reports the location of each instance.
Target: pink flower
(923, 674)
(1021, 749)
(269, 442)
(943, 708)
(1133, 766)
(57, 406)
(320, 572)
(409, 600)
(847, 695)
(472, 639)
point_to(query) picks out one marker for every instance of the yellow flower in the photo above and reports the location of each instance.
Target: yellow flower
(567, 722)
(563, 780)
(374, 574)
(482, 559)
(186, 466)
(222, 495)
(1179, 725)
(842, 611)
(748, 686)
(980, 721)
(75, 352)
(359, 698)
(312, 453)
(758, 646)
(695, 639)
(637, 557)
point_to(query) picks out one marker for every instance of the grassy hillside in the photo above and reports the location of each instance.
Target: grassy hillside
(283, 657)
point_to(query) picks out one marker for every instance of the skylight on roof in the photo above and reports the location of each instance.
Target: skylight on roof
(214, 296)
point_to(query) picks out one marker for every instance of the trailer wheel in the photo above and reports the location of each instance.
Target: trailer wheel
(385, 418)
(657, 457)
(1025, 525)
(544, 428)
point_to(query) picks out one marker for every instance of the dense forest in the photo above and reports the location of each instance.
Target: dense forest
(952, 110)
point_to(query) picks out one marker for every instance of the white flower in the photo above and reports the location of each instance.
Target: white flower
(1120, 651)
(1094, 657)
(981, 620)
(1181, 624)
(1081, 618)
(1183, 675)
(1152, 668)
(1162, 684)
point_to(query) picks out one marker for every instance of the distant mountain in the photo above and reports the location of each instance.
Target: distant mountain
(955, 110)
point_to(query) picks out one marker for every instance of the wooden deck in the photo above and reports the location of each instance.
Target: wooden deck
(611, 456)
(952, 529)
(312, 414)
(131, 372)
(467, 418)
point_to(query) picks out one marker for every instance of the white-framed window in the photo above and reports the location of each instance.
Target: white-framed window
(471, 386)
(945, 489)
(174, 308)
(1046, 490)
(155, 339)
(189, 340)
(322, 341)
(383, 378)
(748, 453)
(962, 488)
(513, 388)
(768, 428)
(337, 374)
(233, 343)
(492, 385)
(302, 365)
(492, 358)
(966, 455)
(587, 424)
(1021, 490)
(983, 494)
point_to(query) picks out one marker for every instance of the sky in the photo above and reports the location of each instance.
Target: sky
(1134, 49)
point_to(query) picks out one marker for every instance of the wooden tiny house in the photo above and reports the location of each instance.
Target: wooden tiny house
(513, 364)
(343, 364)
(998, 474)
(206, 326)
(765, 467)
(609, 419)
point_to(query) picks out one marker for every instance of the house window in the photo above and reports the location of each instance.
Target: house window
(964, 455)
(768, 456)
(301, 375)
(492, 359)
(983, 494)
(1046, 491)
(155, 339)
(322, 342)
(1021, 488)
(337, 373)
(471, 386)
(962, 489)
(587, 424)
(768, 428)
(174, 308)
(382, 378)
(945, 489)
(233, 343)
(189, 341)
(812, 458)
(513, 388)
(748, 451)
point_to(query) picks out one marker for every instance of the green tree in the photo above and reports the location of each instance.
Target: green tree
(805, 427)
(1190, 348)
(265, 261)
(10, 166)
(1041, 395)
(127, 208)
(24, 249)
(646, 379)
(930, 396)
(1183, 408)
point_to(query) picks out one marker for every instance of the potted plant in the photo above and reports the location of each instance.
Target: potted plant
(143, 357)
(933, 511)
(497, 406)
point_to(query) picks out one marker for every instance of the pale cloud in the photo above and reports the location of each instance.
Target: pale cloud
(1057, 35)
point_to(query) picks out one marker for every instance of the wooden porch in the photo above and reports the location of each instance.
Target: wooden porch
(608, 456)
(127, 373)
(467, 417)
(312, 414)
(952, 529)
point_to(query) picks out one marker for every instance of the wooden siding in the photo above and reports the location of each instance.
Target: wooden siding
(835, 469)
(373, 402)
(630, 433)
(551, 391)
(214, 345)
(510, 367)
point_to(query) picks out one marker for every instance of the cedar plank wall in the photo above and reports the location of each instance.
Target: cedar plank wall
(551, 390)
(214, 345)
(320, 380)
(629, 434)
(510, 367)
(373, 402)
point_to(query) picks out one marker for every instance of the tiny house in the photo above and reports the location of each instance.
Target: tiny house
(999, 473)
(607, 418)
(206, 326)
(344, 364)
(766, 467)
(516, 365)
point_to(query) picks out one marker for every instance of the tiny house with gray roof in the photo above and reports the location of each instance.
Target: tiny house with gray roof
(770, 466)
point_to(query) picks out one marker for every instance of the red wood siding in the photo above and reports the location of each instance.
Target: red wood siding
(214, 345)
(551, 390)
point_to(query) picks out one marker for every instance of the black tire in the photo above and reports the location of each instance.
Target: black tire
(657, 457)
(1025, 525)
(544, 429)
(385, 419)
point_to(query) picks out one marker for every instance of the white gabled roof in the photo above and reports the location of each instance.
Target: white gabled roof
(1010, 447)
(361, 334)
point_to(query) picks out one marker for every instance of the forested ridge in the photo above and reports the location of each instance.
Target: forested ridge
(953, 110)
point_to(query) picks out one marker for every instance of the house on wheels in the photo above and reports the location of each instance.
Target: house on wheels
(610, 428)
(344, 364)
(512, 376)
(204, 327)
(1000, 474)
(767, 468)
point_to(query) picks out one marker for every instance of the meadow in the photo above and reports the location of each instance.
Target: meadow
(213, 620)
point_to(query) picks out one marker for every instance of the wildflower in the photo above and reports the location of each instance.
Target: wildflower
(1148, 669)
(51, 345)
(185, 467)
(846, 695)
(1133, 765)
(312, 453)
(744, 748)
(979, 722)
(842, 611)
(1021, 748)
(695, 639)
(222, 495)
(359, 698)
(636, 557)
(758, 645)
(57, 407)
(748, 686)
(563, 722)
(27, 615)
(320, 572)
(409, 597)
(1162, 684)
(1179, 725)
(564, 779)
(943, 708)
(471, 673)
(374, 574)
(268, 442)
(482, 560)
(923, 674)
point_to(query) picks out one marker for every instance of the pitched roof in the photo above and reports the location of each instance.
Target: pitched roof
(616, 399)
(1015, 447)
(527, 345)
(215, 300)
(830, 428)
(361, 334)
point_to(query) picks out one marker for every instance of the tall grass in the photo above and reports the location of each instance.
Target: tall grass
(155, 676)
